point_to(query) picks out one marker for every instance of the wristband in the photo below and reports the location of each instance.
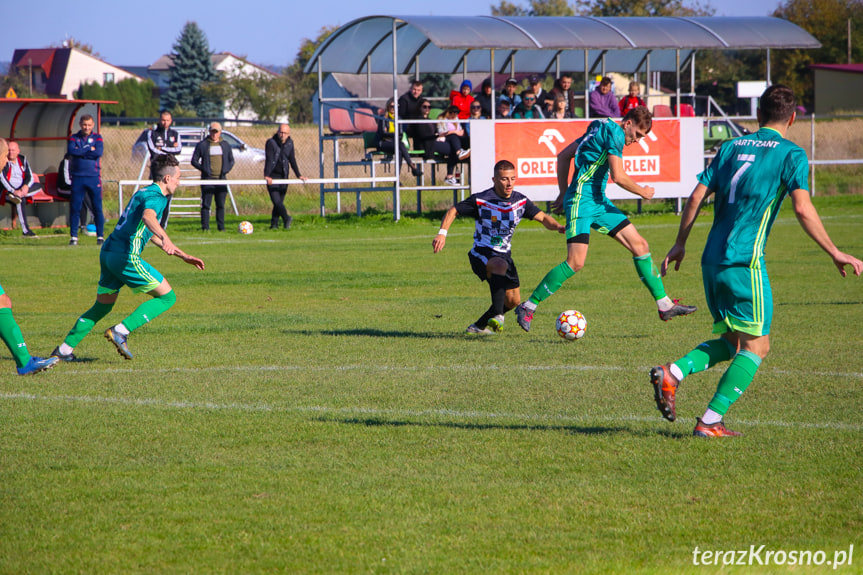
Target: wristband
(442, 232)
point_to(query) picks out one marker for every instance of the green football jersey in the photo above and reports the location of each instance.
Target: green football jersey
(749, 177)
(603, 138)
(131, 235)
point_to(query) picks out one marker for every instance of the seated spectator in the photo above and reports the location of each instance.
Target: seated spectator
(543, 100)
(450, 130)
(563, 86)
(428, 139)
(475, 114)
(509, 94)
(527, 110)
(16, 180)
(462, 99)
(484, 98)
(385, 138)
(558, 109)
(603, 104)
(504, 110)
(631, 101)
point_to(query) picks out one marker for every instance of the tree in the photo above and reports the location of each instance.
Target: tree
(19, 80)
(301, 86)
(642, 8)
(192, 69)
(537, 8)
(135, 99)
(827, 20)
(71, 42)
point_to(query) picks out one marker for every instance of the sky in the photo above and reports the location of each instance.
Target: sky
(267, 32)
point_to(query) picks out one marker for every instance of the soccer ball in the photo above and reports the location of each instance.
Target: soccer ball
(571, 325)
(245, 228)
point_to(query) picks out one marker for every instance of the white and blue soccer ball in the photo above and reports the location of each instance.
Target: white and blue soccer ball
(245, 228)
(571, 325)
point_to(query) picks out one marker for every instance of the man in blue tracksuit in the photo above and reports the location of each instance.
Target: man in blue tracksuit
(85, 151)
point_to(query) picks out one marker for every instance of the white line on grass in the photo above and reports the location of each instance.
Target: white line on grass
(394, 413)
(442, 368)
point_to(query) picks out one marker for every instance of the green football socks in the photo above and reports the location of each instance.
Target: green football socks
(551, 283)
(150, 310)
(705, 356)
(86, 322)
(649, 275)
(13, 338)
(734, 381)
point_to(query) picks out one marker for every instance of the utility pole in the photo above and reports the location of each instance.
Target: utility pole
(30, 66)
(849, 40)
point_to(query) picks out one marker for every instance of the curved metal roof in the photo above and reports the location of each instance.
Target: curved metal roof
(449, 44)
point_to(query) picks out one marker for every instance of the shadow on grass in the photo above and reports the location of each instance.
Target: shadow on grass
(572, 429)
(372, 332)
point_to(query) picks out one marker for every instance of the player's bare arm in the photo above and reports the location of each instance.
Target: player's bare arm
(439, 240)
(622, 179)
(687, 220)
(564, 160)
(549, 222)
(808, 217)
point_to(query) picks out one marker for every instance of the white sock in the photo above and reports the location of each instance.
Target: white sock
(664, 304)
(676, 372)
(529, 305)
(65, 349)
(710, 417)
(121, 329)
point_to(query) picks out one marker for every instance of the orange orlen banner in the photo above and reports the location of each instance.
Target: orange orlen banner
(533, 147)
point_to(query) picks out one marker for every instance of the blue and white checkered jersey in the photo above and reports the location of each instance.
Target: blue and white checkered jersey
(496, 217)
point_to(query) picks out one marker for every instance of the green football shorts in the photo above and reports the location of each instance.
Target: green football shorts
(119, 269)
(739, 298)
(584, 213)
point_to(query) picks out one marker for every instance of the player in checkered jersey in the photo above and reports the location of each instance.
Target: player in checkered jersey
(497, 211)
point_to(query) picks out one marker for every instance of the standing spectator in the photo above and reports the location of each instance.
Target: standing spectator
(10, 333)
(603, 104)
(527, 109)
(121, 264)
(16, 178)
(213, 156)
(85, 150)
(632, 100)
(558, 109)
(462, 99)
(409, 106)
(509, 94)
(749, 178)
(543, 100)
(563, 87)
(484, 98)
(280, 159)
(163, 140)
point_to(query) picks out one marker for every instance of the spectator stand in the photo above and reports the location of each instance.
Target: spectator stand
(42, 127)
(412, 45)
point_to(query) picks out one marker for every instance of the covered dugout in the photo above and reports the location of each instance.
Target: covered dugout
(42, 128)
(547, 45)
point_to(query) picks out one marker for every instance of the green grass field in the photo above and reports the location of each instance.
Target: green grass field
(312, 405)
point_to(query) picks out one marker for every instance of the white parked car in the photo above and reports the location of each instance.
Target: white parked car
(189, 138)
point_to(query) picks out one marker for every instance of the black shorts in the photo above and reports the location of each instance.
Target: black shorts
(479, 259)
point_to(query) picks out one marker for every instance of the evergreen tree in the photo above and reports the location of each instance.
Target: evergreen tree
(192, 69)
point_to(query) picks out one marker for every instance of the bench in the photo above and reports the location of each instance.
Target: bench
(47, 208)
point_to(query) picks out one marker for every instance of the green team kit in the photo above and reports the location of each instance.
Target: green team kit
(750, 175)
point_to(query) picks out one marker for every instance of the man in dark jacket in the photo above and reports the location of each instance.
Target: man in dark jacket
(214, 158)
(163, 140)
(279, 160)
(85, 152)
(409, 107)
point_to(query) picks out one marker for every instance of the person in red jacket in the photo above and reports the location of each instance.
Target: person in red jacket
(632, 100)
(462, 99)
